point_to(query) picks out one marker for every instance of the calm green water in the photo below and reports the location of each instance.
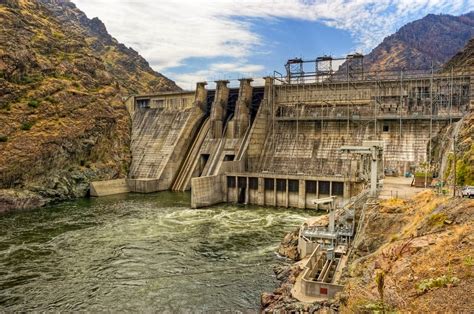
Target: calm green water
(140, 253)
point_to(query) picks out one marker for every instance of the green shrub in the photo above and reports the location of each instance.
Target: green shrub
(469, 261)
(7, 107)
(423, 174)
(464, 172)
(3, 138)
(28, 79)
(33, 103)
(375, 307)
(27, 125)
(434, 283)
(51, 99)
(437, 219)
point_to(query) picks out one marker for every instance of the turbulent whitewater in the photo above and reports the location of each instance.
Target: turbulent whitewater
(138, 252)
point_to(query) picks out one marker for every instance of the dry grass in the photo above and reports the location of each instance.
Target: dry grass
(421, 270)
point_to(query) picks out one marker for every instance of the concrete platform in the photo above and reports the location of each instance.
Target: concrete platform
(398, 187)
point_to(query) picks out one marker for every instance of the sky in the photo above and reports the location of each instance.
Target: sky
(206, 40)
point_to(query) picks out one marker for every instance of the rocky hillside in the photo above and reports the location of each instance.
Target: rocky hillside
(422, 248)
(413, 256)
(463, 130)
(63, 79)
(434, 38)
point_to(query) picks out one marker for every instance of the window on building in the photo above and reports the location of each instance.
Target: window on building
(311, 187)
(324, 187)
(293, 186)
(338, 188)
(231, 182)
(253, 183)
(281, 185)
(386, 128)
(269, 184)
(143, 103)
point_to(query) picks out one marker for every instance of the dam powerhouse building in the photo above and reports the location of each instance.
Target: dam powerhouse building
(280, 144)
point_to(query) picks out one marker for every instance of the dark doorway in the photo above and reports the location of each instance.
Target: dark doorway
(229, 157)
(242, 192)
(242, 184)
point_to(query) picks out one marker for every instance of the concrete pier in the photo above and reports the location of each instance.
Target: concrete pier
(270, 190)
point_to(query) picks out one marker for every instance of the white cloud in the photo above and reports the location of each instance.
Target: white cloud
(218, 71)
(167, 32)
(237, 67)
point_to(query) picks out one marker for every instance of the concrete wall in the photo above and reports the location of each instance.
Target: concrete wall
(306, 247)
(166, 100)
(312, 288)
(109, 187)
(163, 128)
(313, 120)
(145, 185)
(312, 147)
(242, 191)
(207, 191)
(232, 166)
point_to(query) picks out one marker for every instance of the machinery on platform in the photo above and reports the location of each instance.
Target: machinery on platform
(373, 149)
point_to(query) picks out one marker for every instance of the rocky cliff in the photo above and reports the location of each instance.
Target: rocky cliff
(462, 131)
(434, 38)
(63, 80)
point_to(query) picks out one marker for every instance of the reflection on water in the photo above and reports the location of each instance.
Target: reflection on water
(139, 252)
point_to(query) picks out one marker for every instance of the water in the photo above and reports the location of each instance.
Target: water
(140, 253)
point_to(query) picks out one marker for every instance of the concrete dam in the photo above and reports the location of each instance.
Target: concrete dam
(280, 144)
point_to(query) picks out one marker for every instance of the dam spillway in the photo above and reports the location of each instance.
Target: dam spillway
(279, 144)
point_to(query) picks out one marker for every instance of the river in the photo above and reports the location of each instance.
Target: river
(140, 253)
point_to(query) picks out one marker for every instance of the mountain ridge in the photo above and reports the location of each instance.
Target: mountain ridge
(63, 79)
(431, 40)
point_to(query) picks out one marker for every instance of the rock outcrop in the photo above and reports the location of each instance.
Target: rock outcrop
(17, 199)
(63, 80)
(289, 246)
